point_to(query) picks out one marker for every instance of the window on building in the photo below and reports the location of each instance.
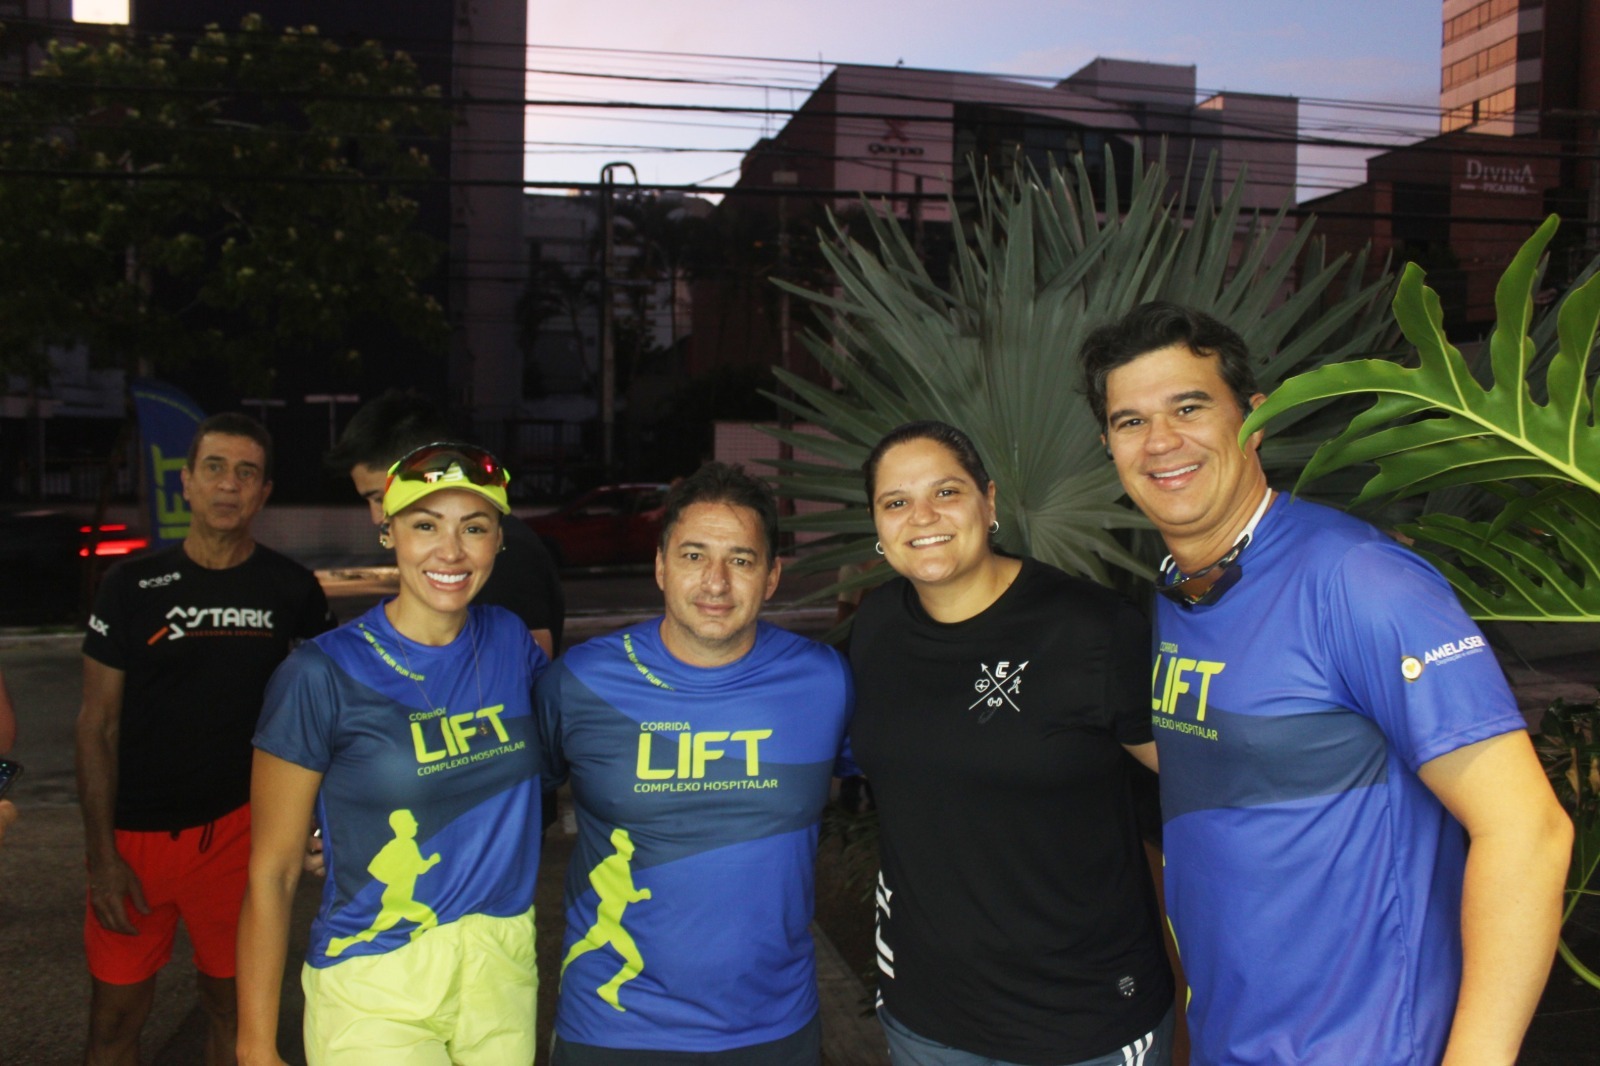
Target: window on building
(1500, 54)
(1421, 214)
(1480, 15)
(1459, 117)
(999, 138)
(1498, 105)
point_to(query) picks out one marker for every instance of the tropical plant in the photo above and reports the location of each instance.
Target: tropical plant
(244, 199)
(1526, 436)
(1434, 426)
(1044, 260)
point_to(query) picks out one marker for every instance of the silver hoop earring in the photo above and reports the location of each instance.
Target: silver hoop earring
(994, 527)
(878, 547)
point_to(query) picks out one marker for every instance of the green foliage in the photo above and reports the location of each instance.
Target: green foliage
(1522, 430)
(1569, 748)
(1435, 426)
(236, 198)
(994, 351)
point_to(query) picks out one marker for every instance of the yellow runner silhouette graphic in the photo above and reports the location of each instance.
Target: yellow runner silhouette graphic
(398, 864)
(613, 881)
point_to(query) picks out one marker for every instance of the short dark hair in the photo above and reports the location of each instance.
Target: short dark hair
(726, 483)
(385, 429)
(1155, 325)
(956, 442)
(233, 424)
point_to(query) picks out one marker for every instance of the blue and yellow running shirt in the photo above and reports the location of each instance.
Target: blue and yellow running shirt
(698, 793)
(428, 813)
(1313, 881)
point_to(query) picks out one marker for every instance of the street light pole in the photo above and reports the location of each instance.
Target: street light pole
(608, 332)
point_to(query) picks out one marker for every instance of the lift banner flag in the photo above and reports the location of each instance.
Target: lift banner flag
(167, 421)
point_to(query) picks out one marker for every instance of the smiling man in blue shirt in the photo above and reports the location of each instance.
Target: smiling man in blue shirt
(1332, 733)
(700, 746)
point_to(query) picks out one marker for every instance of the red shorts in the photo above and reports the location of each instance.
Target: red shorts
(200, 876)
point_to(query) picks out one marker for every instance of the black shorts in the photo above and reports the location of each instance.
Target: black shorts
(801, 1048)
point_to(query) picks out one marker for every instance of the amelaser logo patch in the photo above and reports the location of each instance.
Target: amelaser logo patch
(1452, 650)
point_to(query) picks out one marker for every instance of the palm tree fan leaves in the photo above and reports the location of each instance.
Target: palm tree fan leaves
(1037, 261)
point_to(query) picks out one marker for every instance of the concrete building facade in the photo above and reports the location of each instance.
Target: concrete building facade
(910, 140)
(1460, 205)
(1520, 68)
(1519, 99)
(912, 135)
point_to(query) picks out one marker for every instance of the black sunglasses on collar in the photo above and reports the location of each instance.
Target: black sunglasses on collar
(1205, 586)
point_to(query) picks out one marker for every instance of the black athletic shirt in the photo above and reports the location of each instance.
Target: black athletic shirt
(524, 581)
(1016, 917)
(197, 647)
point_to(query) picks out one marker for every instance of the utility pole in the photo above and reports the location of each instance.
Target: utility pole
(608, 332)
(917, 239)
(788, 179)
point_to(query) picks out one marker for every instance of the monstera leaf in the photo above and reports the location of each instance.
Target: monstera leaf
(1434, 426)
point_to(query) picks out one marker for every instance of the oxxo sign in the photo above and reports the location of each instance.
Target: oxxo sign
(895, 141)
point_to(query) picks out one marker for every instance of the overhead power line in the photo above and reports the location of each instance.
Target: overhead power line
(432, 50)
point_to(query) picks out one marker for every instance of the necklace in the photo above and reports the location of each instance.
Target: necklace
(1207, 584)
(416, 678)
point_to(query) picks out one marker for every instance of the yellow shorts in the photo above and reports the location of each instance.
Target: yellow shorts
(460, 993)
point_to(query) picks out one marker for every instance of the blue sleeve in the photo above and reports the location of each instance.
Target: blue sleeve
(547, 712)
(1410, 658)
(300, 709)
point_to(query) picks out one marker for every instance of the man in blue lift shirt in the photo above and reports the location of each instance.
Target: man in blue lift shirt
(1328, 722)
(700, 747)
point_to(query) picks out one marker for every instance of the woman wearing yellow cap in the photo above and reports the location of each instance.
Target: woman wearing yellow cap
(407, 733)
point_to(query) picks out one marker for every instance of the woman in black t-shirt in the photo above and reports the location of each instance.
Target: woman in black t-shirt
(995, 698)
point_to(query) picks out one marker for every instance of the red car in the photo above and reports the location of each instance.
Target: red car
(610, 524)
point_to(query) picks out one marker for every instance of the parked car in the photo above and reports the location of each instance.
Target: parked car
(42, 554)
(607, 525)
